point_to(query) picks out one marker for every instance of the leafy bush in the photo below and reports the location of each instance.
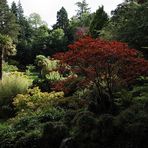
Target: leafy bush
(53, 134)
(71, 103)
(26, 129)
(29, 140)
(105, 64)
(31, 72)
(34, 99)
(137, 94)
(32, 120)
(9, 68)
(12, 84)
(43, 83)
(124, 99)
(9, 138)
(46, 65)
(131, 127)
(84, 121)
(49, 72)
(69, 85)
(68, 117)
(99, 130)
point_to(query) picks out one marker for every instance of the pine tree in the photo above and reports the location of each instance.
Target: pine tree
(14, 9)
(25, 28)
(20, 11)
(62, 20)
(98, 22)
(24, 38)
(8, 24)
(63, 24)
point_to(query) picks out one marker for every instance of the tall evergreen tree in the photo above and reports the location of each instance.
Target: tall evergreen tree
(25, 28)
(20, 11)
(63, 24)
(62, 20)
(14, 8)
(99, 20)
(25, 36)
(21, 21)
(8, 24)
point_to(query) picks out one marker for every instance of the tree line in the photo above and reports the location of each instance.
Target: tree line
(31, 35)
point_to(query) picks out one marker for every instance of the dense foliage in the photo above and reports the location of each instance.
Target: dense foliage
(129, 24)
(61, 88)
(98, 22)
(104, 63)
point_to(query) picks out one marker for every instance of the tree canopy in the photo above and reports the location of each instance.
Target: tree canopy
(8, 24)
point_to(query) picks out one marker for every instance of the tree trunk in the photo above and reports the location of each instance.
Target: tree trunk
(1, 61)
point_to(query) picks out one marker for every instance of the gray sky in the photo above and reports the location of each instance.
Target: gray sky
(47, 9)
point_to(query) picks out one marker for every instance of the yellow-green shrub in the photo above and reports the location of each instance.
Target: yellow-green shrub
(12, 84)
(34, 99)
(9, 68)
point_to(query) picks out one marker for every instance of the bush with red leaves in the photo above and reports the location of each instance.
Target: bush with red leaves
(104, 63)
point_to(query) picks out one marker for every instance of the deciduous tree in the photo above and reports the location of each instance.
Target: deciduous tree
(104, 64)
(35, 20)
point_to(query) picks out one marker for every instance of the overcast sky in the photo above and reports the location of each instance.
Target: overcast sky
(47, 9)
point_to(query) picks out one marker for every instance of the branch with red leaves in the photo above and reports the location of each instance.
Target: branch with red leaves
(105, 63)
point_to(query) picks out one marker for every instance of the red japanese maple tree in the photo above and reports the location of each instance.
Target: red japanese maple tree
(104, 63)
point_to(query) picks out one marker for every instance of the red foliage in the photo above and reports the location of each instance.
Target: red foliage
(65, 85)
(104, 62)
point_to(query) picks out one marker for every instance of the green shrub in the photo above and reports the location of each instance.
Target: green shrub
(47, 66)
(7, 137)
(31, 130)
(9, 68)
(50, 114)
(32, 120)
(12, 84)
(131, 127)
(51, 71)
(124, 99)
(84, 118)
(29, 140)
(34, 99)
(71, 103)
(68, 117)
(91, 131)
(31, 72)
(53, 134)
(10, 138)
(43, 83)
